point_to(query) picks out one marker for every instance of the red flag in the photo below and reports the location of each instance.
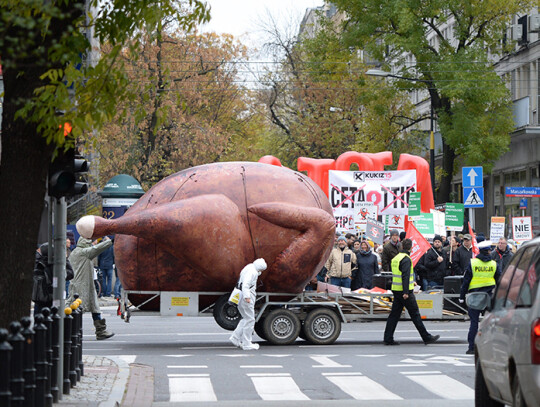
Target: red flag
(475, 248)
(419, 243)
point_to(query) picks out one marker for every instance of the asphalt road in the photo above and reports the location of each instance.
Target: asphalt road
(193, 361)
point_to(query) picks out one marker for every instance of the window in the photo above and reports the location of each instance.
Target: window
(530, 284)
(504, 283)
(519, 275)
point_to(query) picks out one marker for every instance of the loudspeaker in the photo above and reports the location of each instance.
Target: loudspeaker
(452, 285)
(383, 281)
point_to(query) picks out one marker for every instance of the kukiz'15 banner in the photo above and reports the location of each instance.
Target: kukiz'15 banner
(389, 190)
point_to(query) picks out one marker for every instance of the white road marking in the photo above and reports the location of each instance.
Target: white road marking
(362, 388)
(191, 389)
(444, 386)
(261, 367)
(325, 361)
(281, 387)
(276, 356)
(239, 355)
(187, 367)
(177, 356)
(421, 372)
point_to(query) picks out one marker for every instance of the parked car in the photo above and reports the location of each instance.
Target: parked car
(507, 346)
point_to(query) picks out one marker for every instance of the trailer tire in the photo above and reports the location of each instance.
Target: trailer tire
(322, 326)
(281, 327)
(226, 315)
(259, 329)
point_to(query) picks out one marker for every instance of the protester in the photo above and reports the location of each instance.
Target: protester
(42, 290)
(247, 283)
(83, 282)
(106, 265)
(390, 250)
(435, 264)
(367, 266)
(482, 274)
(463, 256)
(340, 264)
(356, 247)
(402, 288)
(502, 254)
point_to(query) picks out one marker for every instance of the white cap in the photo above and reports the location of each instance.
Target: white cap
(486, 244)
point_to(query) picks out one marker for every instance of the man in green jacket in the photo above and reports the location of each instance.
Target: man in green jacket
(402, 287)
(83, 282)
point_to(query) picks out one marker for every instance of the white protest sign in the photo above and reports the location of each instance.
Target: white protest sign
(522, 228)
(439, 226)
(497, 228)
(362, 212)
(394, 222)
(388, 190)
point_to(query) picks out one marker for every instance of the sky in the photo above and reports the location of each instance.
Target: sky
(241, 17)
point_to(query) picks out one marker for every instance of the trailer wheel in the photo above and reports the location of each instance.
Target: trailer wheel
(226, 315)
(322, 327)
(259, 328)
(281, 327)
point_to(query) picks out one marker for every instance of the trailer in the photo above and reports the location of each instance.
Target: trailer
(280, 318)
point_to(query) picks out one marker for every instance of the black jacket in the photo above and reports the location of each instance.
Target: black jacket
(502, 258)
(405, 268)
(460, 260)
(468, 276)
(435, 271)
(367, 266)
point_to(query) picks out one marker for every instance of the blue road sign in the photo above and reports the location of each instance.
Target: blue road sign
(523, 203)
(472, 177)
(525, 192)
(473, 197)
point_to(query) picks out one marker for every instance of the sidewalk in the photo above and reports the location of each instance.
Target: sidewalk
(111, 381)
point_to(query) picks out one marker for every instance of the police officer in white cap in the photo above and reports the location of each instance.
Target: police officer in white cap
(482, 274)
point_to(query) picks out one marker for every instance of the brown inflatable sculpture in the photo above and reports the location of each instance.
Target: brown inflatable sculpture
(196, 229)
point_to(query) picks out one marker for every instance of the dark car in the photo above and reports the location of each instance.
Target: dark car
(507, 346)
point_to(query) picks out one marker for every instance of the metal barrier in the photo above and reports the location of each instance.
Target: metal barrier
(29, 357)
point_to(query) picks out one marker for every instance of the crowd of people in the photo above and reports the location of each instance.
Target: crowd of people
(354, 261)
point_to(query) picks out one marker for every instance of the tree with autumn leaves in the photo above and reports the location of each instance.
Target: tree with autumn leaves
(189, 108)
(322, 103)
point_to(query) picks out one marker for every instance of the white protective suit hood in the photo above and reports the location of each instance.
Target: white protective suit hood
(260, 265)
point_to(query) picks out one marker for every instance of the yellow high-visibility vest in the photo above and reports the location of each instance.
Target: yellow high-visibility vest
(482, 273)
(397, 278)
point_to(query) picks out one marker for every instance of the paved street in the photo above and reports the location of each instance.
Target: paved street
(190, 359)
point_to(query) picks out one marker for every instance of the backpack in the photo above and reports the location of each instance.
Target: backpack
(42, 289)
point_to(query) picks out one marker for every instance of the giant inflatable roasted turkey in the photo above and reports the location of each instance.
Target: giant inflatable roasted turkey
(195, 230)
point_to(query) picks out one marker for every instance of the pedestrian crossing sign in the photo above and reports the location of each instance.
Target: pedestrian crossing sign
(473, 197)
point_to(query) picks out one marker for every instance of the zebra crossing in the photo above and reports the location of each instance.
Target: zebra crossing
(272, 382)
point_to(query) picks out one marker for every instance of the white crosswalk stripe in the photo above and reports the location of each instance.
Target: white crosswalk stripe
(443, 386)
(191, 388)
(361, 387)
(277, 387)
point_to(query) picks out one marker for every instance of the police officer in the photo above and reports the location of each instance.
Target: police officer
(482, 274)
(402, 287)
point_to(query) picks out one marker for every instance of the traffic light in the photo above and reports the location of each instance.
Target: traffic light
(65, 174)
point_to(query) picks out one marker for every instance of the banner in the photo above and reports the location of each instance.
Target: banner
(419, 244)
(415, 200)
(522, 228)
(424, 225)
(362, 212)
(496, 231)
(388, 190)
(394, 222)
(475, 248)
(454, 216)
(375, 231)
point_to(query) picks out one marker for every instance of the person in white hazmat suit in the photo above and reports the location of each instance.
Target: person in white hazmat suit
(243, 333)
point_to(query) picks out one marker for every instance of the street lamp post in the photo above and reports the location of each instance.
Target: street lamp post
(384, 74)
